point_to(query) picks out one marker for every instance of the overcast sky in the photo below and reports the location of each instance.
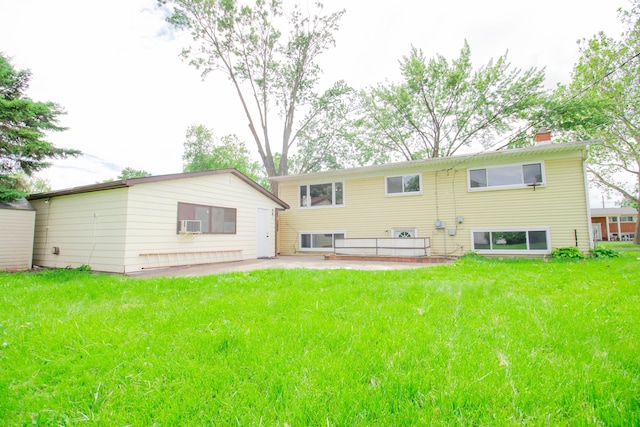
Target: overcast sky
(129, 97)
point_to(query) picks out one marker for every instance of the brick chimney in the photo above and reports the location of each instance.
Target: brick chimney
(543, 137)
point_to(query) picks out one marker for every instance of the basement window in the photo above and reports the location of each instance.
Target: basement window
(319, 241)
(510, 241)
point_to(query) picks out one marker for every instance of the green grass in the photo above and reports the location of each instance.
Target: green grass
(477, 342)
(619, 246)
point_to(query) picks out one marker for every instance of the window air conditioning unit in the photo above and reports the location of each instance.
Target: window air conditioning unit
(190, 226)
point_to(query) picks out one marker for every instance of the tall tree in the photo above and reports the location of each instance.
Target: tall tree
(329, 138)
(23, 127)
(128, 173)
(605, 97)
(441, 106)
(274, 76)
(32, 184)
(202, 151)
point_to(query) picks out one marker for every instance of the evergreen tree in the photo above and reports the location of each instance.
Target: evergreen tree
(23, 127)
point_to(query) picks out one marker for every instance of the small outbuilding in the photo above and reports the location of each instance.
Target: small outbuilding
(156, 222)
(17, 221)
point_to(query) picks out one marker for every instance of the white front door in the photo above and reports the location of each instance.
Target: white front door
(263, 217)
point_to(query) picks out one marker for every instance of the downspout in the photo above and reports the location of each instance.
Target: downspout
(46, 232)
(277, 211)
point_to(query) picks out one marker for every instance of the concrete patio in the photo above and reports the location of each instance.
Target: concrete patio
(284, 261)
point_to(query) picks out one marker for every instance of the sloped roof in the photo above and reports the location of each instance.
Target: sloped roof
(157, 178)
(19, 204)
(449, 162)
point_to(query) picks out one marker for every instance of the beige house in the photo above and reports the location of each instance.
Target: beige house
(513, 202)
(155, 222)
(17, 220)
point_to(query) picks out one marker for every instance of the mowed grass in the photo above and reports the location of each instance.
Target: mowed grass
(476, 342)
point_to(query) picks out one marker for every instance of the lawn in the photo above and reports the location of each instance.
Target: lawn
(476, 342)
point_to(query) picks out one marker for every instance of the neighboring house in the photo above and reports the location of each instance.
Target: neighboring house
(153, 222)
(611, 224)
(511, 202)
(17, 222)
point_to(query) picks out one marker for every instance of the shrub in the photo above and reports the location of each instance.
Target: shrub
(601, 252)
(569, 253)
(472, 255)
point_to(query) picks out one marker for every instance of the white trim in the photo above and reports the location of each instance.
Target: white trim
(331, 249)
(511, 252)
(403, 193)
(511, 186)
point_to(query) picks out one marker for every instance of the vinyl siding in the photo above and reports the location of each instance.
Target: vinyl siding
(16, 241)
(152, 222)
(110, 230)
(560, 206)
(88, 228)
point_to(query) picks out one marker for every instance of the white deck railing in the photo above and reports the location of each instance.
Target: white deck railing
(384, 246)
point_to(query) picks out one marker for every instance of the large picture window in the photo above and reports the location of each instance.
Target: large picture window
(213, 219)
(506, 176)
(319, 195)
(510, 241)
(406, 184)
(319, 241)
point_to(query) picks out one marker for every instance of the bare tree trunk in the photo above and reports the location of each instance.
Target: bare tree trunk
(274, 187)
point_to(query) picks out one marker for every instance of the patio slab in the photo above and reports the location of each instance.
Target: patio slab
(283, 261)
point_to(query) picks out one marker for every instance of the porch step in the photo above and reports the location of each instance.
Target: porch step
(389, 258)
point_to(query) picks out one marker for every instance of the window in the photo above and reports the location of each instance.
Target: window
(622, 219)
(532, 241)
(215, 220)
(404, 233)
(318, 195)
(406, 184)
(506, 176)
(319, 241)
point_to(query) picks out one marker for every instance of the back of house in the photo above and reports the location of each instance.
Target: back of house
(518, 202)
